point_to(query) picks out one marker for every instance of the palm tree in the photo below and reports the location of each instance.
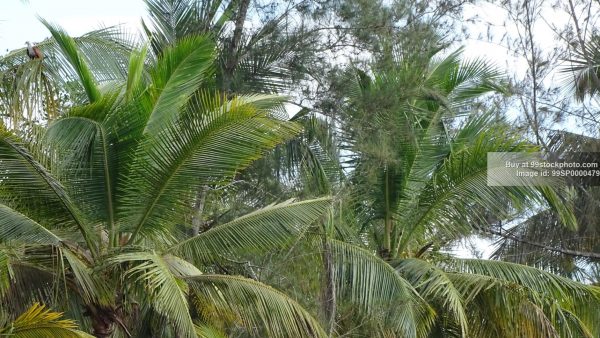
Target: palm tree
(92, 212)
(40, 90)
(37, 321)
(584, 68)
(418, 184)
(270, 57)
(411, 142)
(540, 240)
(249, 59)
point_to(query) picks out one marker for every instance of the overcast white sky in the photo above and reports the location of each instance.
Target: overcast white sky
(19, 23)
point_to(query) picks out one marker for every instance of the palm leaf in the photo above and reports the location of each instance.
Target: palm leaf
(90, 286)
(30, 189)
(136, 73)
(266, 228)
(5, 274)
(176, 19)
(85, 161)
(180, 71)
(205, 147)
(167, 293)
(578, 303)
(463, 80)
(29, 93)
(70, 51)
(522, 314)
(537, 280)
(38, 90)
(536, 313)
(16, 227)
(460, 182)
(39, 322)
(583, 69)
(261, 309)
(379, 290)
(208, 332)
(435, 286)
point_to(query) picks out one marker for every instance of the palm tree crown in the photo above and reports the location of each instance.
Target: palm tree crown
(95, 207)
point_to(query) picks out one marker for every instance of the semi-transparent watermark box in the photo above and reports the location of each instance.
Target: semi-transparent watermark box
(543, 169)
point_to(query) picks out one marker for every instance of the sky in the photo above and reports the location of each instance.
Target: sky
(19, 23)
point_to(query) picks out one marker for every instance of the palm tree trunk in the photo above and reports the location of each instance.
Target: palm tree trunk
(387, 236)
(329, 290)
(103, 324)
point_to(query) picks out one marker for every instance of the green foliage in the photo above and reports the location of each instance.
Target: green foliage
(256, 232)
(98, 202)
(150, 201)
(375, 287)
(423, 175)
(179, 72)
(418, 153)
(39, 322)
(71, 53)
(259, 308)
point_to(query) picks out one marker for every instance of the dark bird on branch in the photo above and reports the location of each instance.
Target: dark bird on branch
(33, 51)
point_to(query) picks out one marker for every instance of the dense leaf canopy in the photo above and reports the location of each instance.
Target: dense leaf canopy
(283, 169)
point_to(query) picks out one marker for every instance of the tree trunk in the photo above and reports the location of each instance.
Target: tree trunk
(232, 50)
(329, 298)
(385, 252)
(103, 324)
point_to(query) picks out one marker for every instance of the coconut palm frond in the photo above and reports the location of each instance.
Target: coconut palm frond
(272, 226)
(31, 190)
(38, 321)
(164, 290)
(228, 134)
(379, 290)
(259, 308)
